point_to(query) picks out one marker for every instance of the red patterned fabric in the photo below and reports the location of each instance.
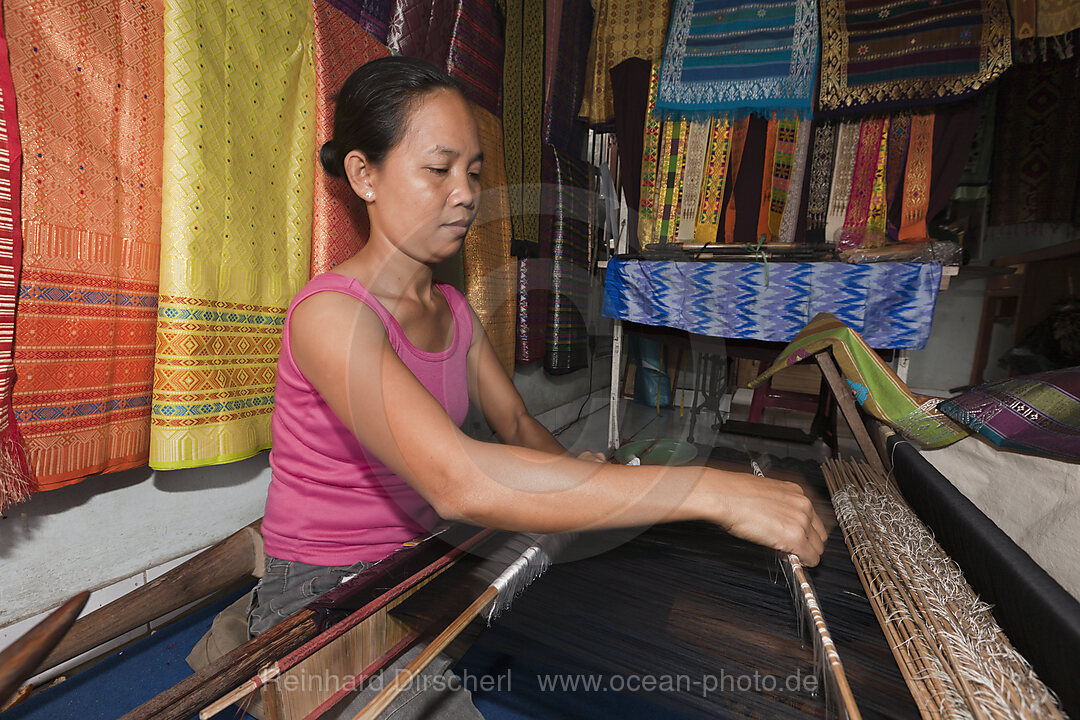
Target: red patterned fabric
(16, 480)
(339, 225)
(90, 116)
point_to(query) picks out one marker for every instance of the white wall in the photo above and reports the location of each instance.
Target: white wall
(111, 527)
(946, 360)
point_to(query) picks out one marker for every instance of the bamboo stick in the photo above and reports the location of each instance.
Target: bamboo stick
(21, 659)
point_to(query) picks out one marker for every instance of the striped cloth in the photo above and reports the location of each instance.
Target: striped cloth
(882, 54)
(873, 383)
(237, 209)
(89, 104)
(891, 304)
(339, 222)
(16, 480)
(565, 84)
(740, 57)
(566, 221)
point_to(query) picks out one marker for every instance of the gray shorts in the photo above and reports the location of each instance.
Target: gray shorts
(288, 586)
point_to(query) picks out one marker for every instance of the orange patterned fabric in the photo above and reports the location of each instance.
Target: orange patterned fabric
(761, 234)
(917, 180)
(88, 78)
(339, 226)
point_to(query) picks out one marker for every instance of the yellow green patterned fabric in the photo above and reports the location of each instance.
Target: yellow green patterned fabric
(236, 221)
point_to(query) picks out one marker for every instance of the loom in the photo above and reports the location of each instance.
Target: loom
(681, 601)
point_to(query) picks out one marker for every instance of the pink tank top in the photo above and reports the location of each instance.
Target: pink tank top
(331, 502)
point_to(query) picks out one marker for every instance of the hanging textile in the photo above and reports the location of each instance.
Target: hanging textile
(916, 197)
(236, 227)
(490, 273)
(821, 173)
(877, 54)
(738, 143)
(622, 29)
(712, 190)
(89, 112)
(534, 291)
(873, 383)
(475, 53)
(795, 201)
(16, 479)
(523, 103)
(371, 15)
(463, 37)
(339, 223)
(1023, 14)
(761, 230)
(1034, 168)
(566, 220)
(847, 148)
(630, 88)
(954, 128)
(862, 183)
(875, 220)
(693, 175)
(891, 304)
(895, 166)
(787, 133)
(650, 158)
(744, 208)
(669, 175)
(566, 82)
(1056, 17)
(749, 57)
(974, 180)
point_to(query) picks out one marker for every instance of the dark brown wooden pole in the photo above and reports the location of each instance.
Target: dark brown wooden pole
(210, 571)
(23, 657)
(843, 397)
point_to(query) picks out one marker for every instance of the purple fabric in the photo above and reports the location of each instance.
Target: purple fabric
(372, 15)
(1036, 413)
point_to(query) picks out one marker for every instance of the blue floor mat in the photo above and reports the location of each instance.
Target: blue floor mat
(129, 678)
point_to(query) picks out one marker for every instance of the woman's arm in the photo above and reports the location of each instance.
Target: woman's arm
(491, 390)
(341, 347)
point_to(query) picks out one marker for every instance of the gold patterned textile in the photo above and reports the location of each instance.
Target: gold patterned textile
(88, 79)
(490, 272)
(623, 29)
(650, 156)
(236, 221)
(878, 55)
(1056, 17)
(339, 224)
(712, 190)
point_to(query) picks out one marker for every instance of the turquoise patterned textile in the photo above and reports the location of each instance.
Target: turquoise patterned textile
(732, 57)
(890, 304)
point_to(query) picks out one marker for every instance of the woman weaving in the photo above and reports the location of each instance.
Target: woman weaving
(379, 364)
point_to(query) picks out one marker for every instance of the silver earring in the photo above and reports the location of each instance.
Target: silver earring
(369, 195)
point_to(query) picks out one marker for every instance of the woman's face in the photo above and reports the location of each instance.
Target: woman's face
(426, 193)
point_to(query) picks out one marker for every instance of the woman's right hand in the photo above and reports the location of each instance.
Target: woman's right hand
(772, 513)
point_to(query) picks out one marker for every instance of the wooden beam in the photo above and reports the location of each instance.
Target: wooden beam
(850, 410)
(210, 571)
(23, 657)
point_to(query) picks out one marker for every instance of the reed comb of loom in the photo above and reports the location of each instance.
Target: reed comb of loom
(531, 561)
(826, 658)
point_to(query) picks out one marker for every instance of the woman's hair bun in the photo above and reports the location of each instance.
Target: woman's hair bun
(332, 160)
